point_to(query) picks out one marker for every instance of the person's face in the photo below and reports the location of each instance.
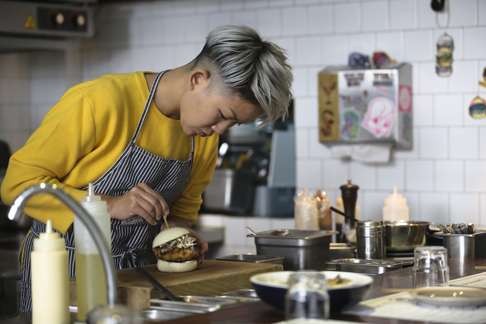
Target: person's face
(206, 108)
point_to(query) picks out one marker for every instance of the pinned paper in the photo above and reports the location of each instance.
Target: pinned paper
(378, 119)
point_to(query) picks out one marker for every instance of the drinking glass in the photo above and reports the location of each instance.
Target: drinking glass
(307, 296)
(430, 266)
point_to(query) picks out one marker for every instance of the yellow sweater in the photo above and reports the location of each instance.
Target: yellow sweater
(83, 135)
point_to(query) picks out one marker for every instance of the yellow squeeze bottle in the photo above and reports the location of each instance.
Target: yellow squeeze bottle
(90, 275)
(50, 279)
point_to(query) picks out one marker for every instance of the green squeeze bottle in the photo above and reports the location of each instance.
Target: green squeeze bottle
(90, 275)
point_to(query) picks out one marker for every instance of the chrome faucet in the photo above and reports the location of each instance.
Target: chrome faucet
(100, 242)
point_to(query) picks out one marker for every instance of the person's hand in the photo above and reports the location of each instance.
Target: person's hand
(141, 201)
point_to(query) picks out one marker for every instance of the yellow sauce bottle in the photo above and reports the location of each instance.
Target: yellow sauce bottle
(50, 279)
(90, 275)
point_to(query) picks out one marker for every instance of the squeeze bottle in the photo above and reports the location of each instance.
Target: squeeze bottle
(90, 274)
(50, 279)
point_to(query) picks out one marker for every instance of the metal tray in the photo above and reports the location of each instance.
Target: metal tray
(252, 258)
(176, 306)
(367, 266)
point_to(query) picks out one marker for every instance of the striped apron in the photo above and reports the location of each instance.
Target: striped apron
(135, 165)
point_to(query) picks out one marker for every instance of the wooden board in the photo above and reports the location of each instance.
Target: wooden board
(213, 277)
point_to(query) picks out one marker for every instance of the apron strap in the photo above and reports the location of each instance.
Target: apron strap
(148, 103)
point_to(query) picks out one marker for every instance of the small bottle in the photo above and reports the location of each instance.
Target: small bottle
(395, 208)
(50, 279)
(90, 274)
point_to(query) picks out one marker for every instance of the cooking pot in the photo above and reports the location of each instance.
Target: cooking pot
(404, 236)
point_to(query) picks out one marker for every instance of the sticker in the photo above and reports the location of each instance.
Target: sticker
(405, 98)
(477, 108)
(378, 120)
(350, 128)
(383, 79)
(354, 79)
(328, 99)
(327, 123)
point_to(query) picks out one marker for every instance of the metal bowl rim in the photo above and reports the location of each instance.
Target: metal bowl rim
(406, 223)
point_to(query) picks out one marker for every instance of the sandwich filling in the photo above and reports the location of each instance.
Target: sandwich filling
(181, 249)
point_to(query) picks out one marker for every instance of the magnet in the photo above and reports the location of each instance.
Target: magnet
(405, 98)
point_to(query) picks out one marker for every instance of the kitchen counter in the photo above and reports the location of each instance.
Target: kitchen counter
(259, 312)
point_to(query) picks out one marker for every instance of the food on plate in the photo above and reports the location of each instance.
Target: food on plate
(337, 282)
(176, 250)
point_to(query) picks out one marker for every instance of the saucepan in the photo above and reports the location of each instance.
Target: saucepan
(404, 236)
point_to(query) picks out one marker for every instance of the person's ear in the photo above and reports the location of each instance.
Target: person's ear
(199, 78)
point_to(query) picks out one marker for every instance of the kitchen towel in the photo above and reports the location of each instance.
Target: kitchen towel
(367, 153)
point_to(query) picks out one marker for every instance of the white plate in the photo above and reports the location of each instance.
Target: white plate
(450, 296)
(278, 279)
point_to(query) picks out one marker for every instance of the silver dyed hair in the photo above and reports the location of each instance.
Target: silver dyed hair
(255, 69)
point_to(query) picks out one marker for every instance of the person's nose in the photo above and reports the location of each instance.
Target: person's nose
(221, 127)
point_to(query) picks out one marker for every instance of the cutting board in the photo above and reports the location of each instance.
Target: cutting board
(213, 277)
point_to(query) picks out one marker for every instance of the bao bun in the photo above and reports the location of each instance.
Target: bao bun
(169, 235)
(166, 236)
(165, 266)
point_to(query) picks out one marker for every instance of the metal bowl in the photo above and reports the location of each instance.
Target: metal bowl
(404, 236)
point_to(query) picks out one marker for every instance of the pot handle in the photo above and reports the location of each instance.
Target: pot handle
(251, 232)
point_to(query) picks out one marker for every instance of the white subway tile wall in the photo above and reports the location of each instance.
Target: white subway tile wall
(442, 176)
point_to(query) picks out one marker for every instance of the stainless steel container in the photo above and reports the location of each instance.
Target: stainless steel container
(373, 267)
(369, 240)
(404, 236)
(300, 249)
(460, 250)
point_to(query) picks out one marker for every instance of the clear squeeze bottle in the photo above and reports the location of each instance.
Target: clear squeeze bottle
(50, 279)
(90, 275)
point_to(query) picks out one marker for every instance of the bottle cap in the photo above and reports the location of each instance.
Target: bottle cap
(49, 240)
(396, 199)
(91, 196)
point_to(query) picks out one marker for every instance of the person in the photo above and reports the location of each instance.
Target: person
(146, 141)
